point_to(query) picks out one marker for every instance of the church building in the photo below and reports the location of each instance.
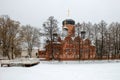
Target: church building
(71, 45)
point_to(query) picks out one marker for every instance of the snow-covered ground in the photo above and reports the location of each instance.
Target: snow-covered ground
(96, 71)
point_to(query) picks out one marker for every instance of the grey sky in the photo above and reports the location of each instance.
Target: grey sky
(35, 12)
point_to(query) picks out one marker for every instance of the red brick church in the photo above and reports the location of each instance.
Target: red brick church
(69, 46)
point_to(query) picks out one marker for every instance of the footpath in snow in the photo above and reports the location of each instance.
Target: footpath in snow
(80, 62)
(20, 62)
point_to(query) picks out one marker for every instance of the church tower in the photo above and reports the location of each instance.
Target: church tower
(68, 28)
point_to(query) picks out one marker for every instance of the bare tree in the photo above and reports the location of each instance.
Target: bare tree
(102, 28)
(89, 33)
(30, 37)
(50, 27)
(96, 37)
(78, 32)
(115, 32)
(9, 30)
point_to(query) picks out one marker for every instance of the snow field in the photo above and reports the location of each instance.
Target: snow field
(96, 71)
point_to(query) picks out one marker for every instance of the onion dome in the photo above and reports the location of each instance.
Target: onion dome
(68, 21)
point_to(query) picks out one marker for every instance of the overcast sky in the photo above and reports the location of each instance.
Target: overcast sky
(35, 12)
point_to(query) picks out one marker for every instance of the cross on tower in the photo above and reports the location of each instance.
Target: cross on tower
(68, 14)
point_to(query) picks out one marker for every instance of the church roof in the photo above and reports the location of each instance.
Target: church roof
(68, 21)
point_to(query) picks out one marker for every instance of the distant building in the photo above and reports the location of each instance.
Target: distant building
(68, 46)
(24, 53)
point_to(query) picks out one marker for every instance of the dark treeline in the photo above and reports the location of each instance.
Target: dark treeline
(106, 38)
(14, 37)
